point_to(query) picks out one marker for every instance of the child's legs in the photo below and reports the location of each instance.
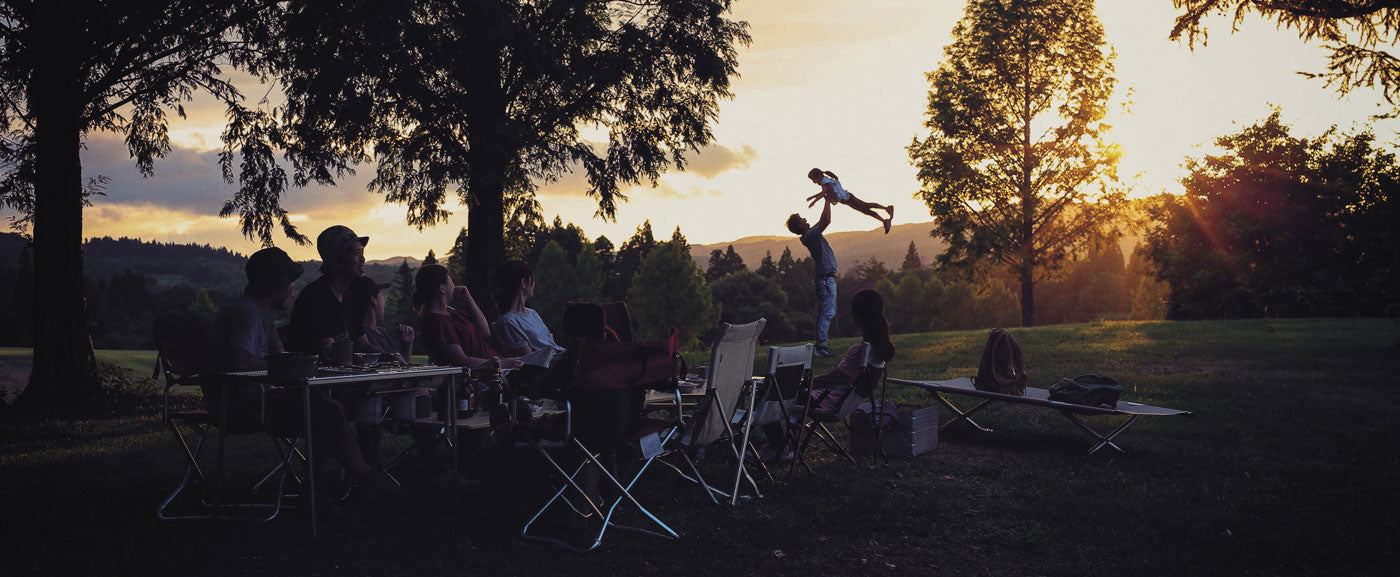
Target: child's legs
(864, 207)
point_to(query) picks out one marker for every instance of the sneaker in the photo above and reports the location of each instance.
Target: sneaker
(887, 225)
(822, 351)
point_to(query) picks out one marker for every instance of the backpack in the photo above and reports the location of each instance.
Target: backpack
(1091, 390)
(1002, 370)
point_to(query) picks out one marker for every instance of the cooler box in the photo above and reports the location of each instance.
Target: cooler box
(908, 431)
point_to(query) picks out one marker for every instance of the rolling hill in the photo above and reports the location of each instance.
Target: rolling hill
(851, 248)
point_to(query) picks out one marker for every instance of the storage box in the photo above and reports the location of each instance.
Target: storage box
(907, 432)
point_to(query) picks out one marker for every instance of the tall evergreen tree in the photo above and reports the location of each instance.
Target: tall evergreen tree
(724, 263)
(911, 259)
(767, 268)
(457, 256)
(670, 292)
(630, 257)
(399, 308)
(430, 259)
(1017, 169)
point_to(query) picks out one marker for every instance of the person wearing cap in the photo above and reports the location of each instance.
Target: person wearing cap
(365, 302)
(320, 315)
(242, 336)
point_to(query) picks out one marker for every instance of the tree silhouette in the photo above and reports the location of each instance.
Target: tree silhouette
(724, 263)
(1353, 32)
(486, 99)
(69, 68)
(670, 292)
(1280, 225)
(1016, 169)
(911, 259)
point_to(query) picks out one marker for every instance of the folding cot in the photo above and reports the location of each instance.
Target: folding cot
(1039, 398)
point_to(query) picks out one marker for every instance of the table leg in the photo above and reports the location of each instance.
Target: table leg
(310, 456)
(452, 437)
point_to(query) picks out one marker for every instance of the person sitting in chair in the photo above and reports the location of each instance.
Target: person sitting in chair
(242, 337)
(829, 389)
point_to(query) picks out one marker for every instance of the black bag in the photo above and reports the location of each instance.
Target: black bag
(1002, 370)
(1089, 390)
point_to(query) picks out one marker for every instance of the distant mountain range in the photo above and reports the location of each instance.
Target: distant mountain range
(851, 248)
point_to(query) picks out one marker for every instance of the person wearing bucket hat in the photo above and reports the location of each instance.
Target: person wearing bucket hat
(242, 336)
(320, 316)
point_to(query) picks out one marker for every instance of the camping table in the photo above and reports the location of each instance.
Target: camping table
(405, 377)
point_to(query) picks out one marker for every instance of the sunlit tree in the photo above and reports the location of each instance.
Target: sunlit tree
(1017, 169)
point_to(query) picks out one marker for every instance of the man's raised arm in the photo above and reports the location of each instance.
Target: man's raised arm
(826, 216)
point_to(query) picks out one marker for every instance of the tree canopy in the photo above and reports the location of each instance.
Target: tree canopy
(1281, 225)
(1356, 34)
(486, 99)
(1016, 168)
(69, 68)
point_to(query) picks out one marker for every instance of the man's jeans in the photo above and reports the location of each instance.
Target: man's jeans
(826, 306)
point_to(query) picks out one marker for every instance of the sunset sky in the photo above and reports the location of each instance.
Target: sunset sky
(836, 84)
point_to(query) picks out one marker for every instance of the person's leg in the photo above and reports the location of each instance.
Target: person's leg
(868, 208)
(826, 310)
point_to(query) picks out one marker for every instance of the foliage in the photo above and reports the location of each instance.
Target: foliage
(457, 256)
(1279, 225)
(629, 259)
(795, 278)
(485, 99)
(669, 291)
(768, 268)
(745, 296)
(911, 259)
(1017, 169)
(560, 279)
(724, 263)
(1355, 32)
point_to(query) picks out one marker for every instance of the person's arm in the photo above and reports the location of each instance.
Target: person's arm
(825, 219)
(406, 344)
(457, 357)
(463, 297)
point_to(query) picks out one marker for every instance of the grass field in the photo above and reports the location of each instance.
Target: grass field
(1289, 468)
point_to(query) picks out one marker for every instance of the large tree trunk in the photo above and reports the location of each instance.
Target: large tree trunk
(485, 229)
(64, 365)
(1027, 297)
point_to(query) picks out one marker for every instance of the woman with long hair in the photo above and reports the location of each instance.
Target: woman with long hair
(453, 335)
(521, 331)
(829, 389)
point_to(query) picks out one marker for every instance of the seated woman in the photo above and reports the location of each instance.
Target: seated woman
(364, 303)
(452, 335)
(522, 331)
(829, 389)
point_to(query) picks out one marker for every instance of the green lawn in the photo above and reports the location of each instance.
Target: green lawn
(1289, 468)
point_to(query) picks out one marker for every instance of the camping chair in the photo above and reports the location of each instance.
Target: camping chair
(812, 422)
(179, 352)
(731, 368)
(602, 412)
(789, 373)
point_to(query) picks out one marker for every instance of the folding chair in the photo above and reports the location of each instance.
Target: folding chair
(789, 373)
(731, 368)
(603, 411)
(179, 356)
(812, 422)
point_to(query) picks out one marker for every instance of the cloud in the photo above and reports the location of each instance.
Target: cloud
(711, 161)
